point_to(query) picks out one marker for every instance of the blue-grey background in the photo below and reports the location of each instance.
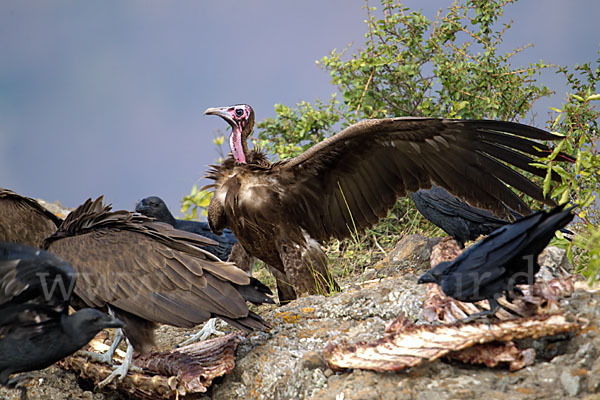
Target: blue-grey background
(107, 97)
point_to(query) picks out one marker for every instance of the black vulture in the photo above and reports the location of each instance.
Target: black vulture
(23, 220)
(494, 265)
(156, 208)
(36, 329)
(282, 212)
(148, 273)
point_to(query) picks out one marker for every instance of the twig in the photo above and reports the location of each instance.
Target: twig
(364, 92)
(378, 245)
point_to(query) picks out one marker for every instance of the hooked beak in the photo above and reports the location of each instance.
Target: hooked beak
(140, 207)
(113, 322)
(222, 112)
(427, 277)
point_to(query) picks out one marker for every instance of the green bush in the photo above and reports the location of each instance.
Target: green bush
(446, 67)
(450, 67)
(578, 120)
(410, 65)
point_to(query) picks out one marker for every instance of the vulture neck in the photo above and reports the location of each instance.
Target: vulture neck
(238, 143)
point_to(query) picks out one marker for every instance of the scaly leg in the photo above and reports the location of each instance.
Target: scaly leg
(207, 330)
(106, 357)
(494, 306)
(121, 370)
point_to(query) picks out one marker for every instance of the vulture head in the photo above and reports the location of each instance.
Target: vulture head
(87, 322)
(241, 119)
(154, 207)
(435, 274)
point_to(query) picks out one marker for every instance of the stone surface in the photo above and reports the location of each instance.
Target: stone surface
(571, 381)
(286, 363)
(412, 252)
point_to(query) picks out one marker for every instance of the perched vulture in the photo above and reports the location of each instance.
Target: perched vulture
(454, 216)
(281, 212)
(146, 272)
(505, 258)
(24, 220)
(36, 329)
(156, 208)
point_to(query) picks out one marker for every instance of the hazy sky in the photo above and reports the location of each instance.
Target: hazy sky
(107, 97)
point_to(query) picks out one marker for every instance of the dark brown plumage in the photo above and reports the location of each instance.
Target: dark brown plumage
(281, 211)
(149, 273)
(23, 220)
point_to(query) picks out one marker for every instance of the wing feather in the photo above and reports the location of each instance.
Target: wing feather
(147, 268)
(23, 220)
(376, 161)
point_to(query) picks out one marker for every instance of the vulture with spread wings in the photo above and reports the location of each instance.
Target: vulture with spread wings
(36, 329)
(149, 273)
(23, 220)
(281, 212)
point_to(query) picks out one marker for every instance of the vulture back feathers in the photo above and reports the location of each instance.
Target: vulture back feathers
(36, 329)
(149, 272)
(24, 220)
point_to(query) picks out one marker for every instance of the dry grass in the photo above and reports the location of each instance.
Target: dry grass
(349, 258)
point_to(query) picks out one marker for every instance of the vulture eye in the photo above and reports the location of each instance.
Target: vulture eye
(239, 112)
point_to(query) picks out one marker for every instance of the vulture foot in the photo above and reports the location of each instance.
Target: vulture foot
(203, 334)
(20, 381)
(106, 358)
(121, 371)
(494, 306)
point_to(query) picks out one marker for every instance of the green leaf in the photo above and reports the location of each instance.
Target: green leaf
(594, 97)
(565, 197)
(547, 180)
(561, 171)
(576, 97)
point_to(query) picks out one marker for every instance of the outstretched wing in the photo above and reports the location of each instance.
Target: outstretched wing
(353, 178)
(35, 288)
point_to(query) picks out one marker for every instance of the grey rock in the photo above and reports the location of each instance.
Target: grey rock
(586, 355)
(552, 261)
(313, 360)
(411, 251)
(571, 382)
(286, 362)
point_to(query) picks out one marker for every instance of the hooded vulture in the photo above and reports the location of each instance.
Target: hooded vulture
(149, 273)
(24, 220)
(281, 212)
(36, 329)
(499, 262)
